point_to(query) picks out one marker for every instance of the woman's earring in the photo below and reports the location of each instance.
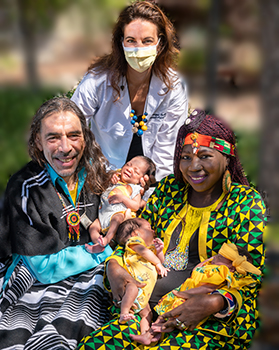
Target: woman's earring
(227, 181)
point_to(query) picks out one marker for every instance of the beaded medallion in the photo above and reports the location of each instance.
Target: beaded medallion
(73, 220)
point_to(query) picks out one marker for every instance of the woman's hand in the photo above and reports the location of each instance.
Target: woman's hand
(188, 315)
(159, 326)
(119, 278)
(145, 183)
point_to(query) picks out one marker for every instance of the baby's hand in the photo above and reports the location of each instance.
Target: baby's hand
(161, 270)
(159, 245)
(115, 178)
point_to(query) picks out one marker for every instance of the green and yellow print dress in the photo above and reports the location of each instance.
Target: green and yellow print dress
(241, 220)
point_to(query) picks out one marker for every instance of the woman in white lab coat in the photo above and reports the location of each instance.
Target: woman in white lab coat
(133, 97)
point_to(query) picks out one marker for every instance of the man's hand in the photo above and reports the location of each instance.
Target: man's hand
(118, 278)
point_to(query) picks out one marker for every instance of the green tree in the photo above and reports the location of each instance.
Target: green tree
(36, 17)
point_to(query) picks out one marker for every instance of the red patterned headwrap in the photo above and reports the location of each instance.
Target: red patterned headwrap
(196, 140)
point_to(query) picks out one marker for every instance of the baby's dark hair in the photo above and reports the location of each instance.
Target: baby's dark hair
(125, 230)
(244, 252)
(151, 167)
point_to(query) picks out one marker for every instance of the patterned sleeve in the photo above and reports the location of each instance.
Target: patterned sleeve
(150, 212)
(248, 232)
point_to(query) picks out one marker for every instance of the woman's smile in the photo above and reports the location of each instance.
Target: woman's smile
(204, 170)
(197, 179)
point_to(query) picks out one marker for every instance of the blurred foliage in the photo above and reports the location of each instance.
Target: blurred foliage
(248, 146)
(40, 14)
(36, 20)
(17, 105)
(192, 61)
(225, 31)
(272, 236)
(203, 4)
(99, 15)
(7, 62)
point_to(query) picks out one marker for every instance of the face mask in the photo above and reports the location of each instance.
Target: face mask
(140, 58)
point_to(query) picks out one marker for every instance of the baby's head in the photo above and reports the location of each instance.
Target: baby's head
(134, 227)
(219, 259)
(136, 168)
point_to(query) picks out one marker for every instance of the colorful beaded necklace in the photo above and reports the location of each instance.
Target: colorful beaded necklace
(139, 126)
(72, 219)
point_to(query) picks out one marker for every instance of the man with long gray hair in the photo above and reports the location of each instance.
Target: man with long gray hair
(52, 288)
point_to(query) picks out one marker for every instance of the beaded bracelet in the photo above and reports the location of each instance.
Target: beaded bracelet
(230, 300)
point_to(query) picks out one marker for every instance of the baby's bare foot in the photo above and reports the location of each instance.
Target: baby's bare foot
(95, 248)
(145, 339)
(125, 317)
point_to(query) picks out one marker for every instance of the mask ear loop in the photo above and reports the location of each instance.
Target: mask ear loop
(159, 40)
(158, 51)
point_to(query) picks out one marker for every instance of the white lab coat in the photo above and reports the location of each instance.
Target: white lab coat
(110, 121)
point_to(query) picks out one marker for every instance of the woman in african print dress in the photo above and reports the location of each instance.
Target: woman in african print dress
(195, 211)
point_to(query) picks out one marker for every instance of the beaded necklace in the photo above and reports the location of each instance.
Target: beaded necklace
(139, 126)
(72, 219)
(138, 122)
